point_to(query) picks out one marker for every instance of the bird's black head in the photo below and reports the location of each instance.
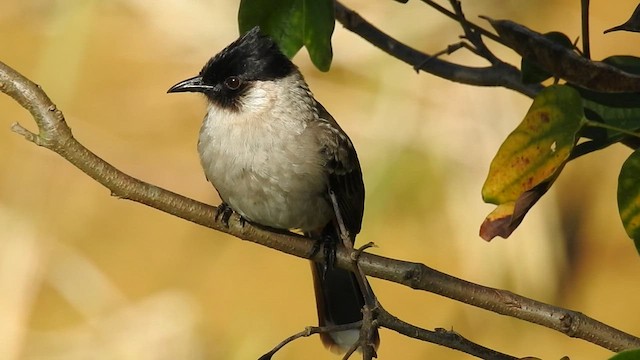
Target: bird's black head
(228, 75)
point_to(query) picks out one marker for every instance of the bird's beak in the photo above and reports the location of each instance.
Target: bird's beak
(194, 84)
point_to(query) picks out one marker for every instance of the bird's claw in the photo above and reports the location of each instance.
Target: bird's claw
(355, 254)
(223, 214)
(328, 245)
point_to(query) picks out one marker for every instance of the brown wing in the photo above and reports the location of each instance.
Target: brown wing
(338, 294)
(345, 175)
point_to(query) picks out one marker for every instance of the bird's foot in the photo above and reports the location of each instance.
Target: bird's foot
(355, 254)
(223, 214)
(317, 245)
(329, 248)
(242, 221)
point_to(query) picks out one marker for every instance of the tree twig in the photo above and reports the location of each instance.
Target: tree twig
(55, 135)
(366, 341)
(308, 331)
(501, 74)
(451, 339)
(473, 35)
(469, 24)
(368, 332)
(584, 11)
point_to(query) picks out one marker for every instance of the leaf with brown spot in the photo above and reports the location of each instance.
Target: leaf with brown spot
(531, 158)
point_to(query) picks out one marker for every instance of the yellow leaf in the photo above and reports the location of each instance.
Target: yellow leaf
(532, 156)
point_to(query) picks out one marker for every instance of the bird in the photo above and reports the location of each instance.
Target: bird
(277, 157)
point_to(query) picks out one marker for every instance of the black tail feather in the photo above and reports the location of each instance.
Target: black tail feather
(339, 300)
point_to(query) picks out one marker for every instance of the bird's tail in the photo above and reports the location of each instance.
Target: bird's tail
(339, 300)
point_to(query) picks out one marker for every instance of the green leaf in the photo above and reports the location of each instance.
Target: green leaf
(531, 158)
(629, 196)
(627, 355)
(293, 24)
(532, 73)
(620, 110)
(628, 63)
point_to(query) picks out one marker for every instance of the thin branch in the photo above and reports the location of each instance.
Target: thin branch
(352, 350)
(473, 35)
(448, 51)
(471, 25)
(55, 135)
(501, 74)
(369, 338)
(584, 10)
(368, 335)
(451, 339)
(308, 331)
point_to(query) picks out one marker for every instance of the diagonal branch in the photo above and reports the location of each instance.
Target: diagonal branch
(54, 134)
(499, 74)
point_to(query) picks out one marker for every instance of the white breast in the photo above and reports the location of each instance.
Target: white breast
(263, 162)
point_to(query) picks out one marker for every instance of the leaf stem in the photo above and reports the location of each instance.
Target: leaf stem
(610, 127)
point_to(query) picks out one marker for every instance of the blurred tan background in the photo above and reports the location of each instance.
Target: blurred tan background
(84, 275)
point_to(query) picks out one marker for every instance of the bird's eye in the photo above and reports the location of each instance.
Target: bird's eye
(232, 82)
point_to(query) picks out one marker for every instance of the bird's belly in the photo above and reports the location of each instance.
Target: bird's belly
(273, 201)
(275, 185)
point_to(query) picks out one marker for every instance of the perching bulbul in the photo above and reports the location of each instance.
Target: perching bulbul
(274, 154)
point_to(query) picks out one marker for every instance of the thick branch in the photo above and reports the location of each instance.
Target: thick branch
(500, 74)
(571, 323)
(563, 62)
(55, 135)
